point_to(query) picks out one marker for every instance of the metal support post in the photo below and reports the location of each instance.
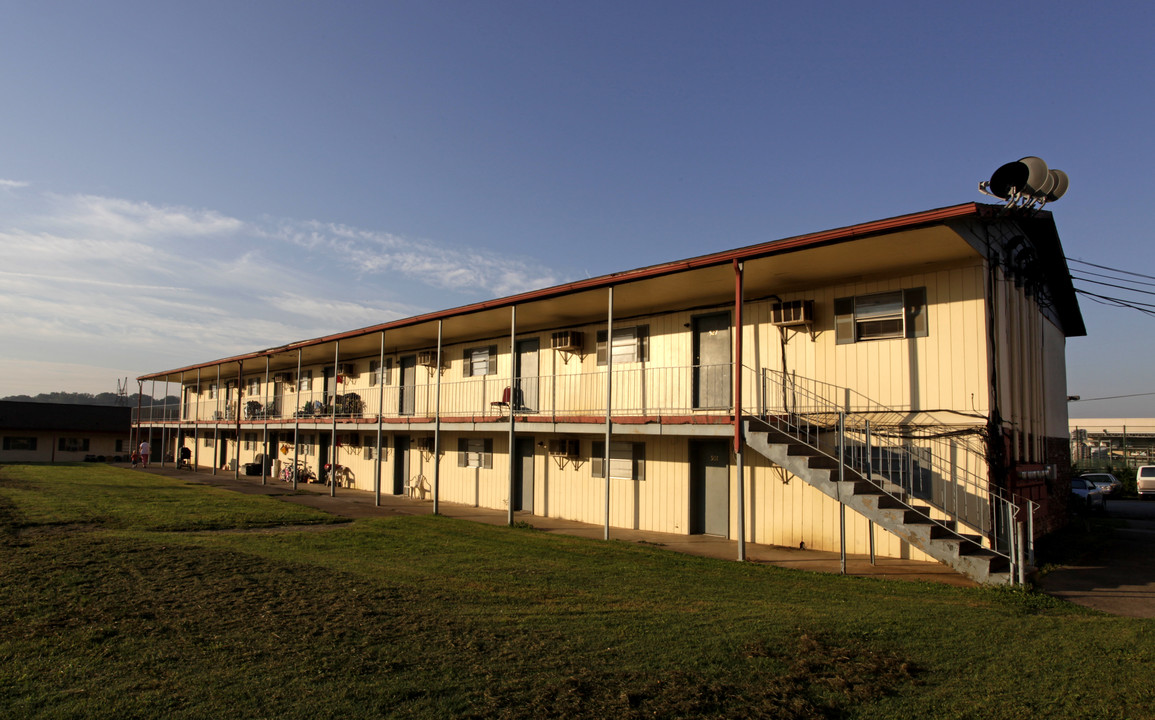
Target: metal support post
(380, 412)
(609, 406)
(297, 423)
(870, 479)
(266, 463)
(333, 437)
(436, 429)
(841, 478)
(512, 401)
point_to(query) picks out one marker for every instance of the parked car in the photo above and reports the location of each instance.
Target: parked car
(1145, 481)
(1086, 495)
(1107, 482)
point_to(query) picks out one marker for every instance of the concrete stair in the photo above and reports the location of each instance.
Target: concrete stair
(889, 507)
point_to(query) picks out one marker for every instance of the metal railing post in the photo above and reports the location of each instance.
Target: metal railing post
(870, 479)
(841, 477)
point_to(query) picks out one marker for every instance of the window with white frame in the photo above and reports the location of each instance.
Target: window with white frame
(19, 443)
(305, 381)
(250, 440)
(481, 361)
(627, 460)
(630, 344)
(213, 387)
(880, 316)
(475, 452)
(254, 386)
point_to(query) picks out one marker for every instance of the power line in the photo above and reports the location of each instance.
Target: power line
(1112, 277)
(1114, 397)
(1120, 287)
(1104, 267)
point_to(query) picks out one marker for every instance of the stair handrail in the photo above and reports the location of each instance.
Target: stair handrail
(806, 409)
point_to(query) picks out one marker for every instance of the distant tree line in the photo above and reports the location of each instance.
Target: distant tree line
(104, 398)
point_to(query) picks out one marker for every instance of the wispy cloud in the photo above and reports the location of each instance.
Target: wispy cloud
(122, 283)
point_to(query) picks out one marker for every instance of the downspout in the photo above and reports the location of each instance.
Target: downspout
(609, 403)
(437, 429)
(738, 439)
(512, 401)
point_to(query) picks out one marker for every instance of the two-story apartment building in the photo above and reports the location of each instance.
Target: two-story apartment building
(897, 387)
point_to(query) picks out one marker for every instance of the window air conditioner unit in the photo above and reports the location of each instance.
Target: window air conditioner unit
(566, 340)
(564, 447)
(285, 377)
(347, 369)
(425, 444)
(794, 312)
(426, 358)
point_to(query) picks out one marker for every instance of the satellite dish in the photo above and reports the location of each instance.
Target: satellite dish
(1059, 187)
(1026, 182)
(1037, 175)
(1007, 179)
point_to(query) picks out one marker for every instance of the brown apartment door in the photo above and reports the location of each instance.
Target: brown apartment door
(712, 361)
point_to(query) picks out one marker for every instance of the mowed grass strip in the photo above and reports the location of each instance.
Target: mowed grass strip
(56, 495)
(430, 617)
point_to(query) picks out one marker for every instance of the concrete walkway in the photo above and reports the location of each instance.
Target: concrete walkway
(1120, 580)
(360, 504)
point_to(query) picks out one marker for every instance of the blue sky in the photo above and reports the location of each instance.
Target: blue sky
(184, 181)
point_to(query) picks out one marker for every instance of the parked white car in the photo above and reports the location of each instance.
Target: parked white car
(1145, 480)
(1106, 482)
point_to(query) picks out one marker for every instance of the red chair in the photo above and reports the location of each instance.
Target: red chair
(503, 403)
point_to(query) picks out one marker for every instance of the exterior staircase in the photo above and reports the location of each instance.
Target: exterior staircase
(883, 503)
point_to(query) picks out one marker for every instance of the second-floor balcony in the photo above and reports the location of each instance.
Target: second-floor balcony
(701, 390)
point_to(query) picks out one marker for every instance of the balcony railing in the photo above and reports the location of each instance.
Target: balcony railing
(637, 392)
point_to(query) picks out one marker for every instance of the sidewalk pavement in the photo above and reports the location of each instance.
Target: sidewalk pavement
(354, 504)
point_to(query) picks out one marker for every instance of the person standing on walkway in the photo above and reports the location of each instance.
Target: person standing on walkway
(144, 451)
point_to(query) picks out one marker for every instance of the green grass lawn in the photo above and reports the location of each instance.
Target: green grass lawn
(128, 595)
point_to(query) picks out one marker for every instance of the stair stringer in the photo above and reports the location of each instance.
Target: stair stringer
(892, 510)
